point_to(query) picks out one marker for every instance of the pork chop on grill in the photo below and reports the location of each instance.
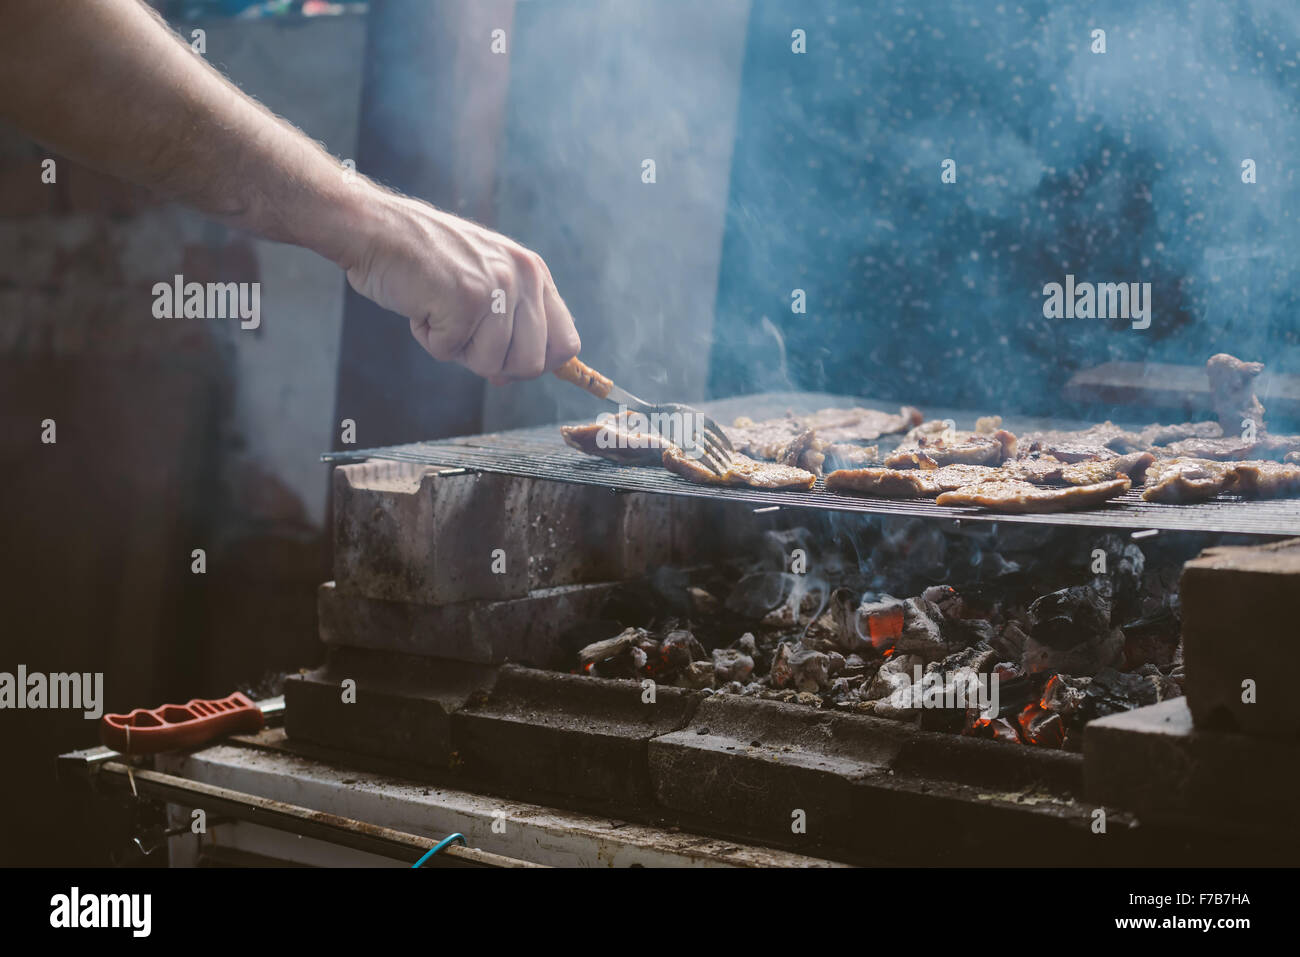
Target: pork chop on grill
(1132, 466)
(1197, 480)
(1101, 441)
(742, 471)
(1018, 496)
(1265, 479)
(1233, 448)
(907, 483)
(806, 440)
(1232, 383)
(1091, 442)
(932, 444)
(1182, 480)
(613, 440)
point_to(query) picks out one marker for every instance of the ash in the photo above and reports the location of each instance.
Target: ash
(1069, 624)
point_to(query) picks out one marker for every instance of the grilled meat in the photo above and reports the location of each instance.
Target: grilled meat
(614, 441)
(932, 444)
(1196, 480)
(907, 483)
(1185, 480)
(806, 440)
(1133, 466)
(1018, 496)
(1233, 448)
(841, 455)
(929, 482)
(1232, 384)
(742, 471)
(1265, 479)
(1099, 440)
(1105, 436)
(1153, 436)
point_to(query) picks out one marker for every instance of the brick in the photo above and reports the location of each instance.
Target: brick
(406, 533)
(868, 786)
(530, 629)
(540, 731)
(1239, 618)
(588, 533)
(402, 708)
(1154, 762)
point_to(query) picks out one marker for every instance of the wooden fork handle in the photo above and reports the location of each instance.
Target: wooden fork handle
(585, 377)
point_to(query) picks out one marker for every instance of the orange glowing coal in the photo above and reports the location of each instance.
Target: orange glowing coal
(1037, 728)
(884, 628)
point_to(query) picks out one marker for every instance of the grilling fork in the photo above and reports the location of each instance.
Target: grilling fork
(714, 447)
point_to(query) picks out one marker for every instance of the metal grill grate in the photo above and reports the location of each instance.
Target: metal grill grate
(540, 453)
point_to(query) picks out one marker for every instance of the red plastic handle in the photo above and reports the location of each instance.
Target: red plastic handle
(175, 727)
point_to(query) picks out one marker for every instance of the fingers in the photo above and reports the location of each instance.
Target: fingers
(541, 332)
(526, 358)
(562, 342)
(485, 352)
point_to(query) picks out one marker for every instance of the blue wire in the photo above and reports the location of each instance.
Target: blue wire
(439, 846)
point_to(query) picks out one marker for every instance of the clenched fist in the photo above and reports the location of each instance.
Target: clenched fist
(472, 296)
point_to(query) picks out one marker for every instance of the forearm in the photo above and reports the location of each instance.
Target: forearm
(107, 83)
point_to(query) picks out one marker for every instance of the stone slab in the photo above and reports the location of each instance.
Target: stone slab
(566, 734)
(1240, 608)
(401, 710)
(528, 629)
(1155, 762)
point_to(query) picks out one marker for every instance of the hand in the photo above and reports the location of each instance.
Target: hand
(472, 296)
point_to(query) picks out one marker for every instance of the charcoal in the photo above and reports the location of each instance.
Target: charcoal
(679, 649)
(835, 663)
(922, 633)
(759, 593)
(617, 657)
(854, 665)
(960, 632)
(978, 658)
(810, 670)
(1112, 691)
(1125, 567)
(1043, 728)
(1069, 617)
(894, 674)
(730, 664)
(780, 675)
(746, 644)
(878, 624)
(1101, 651)
(1152, 640)
(841, 689)
(1010, 642)
(698, 674)
(1065, 695)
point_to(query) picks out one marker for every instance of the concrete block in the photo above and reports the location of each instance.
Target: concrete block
(527, 629)
(1154, 762)
(406, 532)
(402, 706)
(542, 731)
(878, 789)
(1239, 608)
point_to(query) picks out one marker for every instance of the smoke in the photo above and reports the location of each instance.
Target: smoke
(1123, 166)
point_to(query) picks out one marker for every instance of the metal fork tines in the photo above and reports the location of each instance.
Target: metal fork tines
(689, 428)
